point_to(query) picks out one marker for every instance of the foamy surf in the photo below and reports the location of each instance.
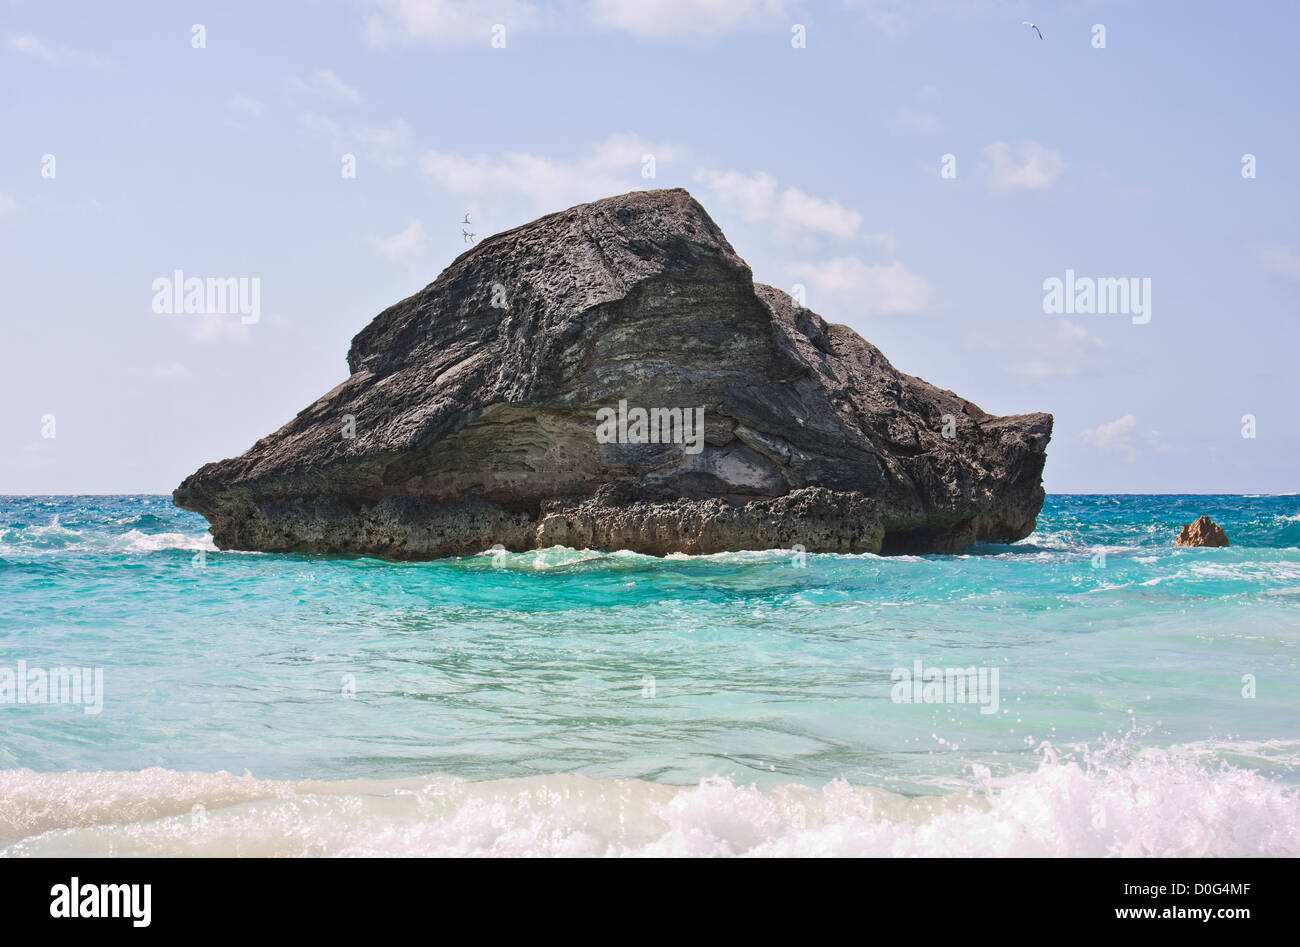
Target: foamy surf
(1152, 803)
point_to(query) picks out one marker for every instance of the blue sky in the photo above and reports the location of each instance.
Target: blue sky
(822, 165)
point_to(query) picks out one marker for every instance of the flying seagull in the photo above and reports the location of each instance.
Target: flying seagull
(466, 220)
(1032, 26)
(469, 237)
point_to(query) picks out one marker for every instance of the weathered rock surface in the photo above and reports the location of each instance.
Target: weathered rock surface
(1203, 531)
(476, 425)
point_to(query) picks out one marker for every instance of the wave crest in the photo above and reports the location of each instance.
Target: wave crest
(1144, 803)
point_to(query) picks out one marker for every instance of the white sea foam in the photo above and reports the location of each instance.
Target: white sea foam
(553, 556)
(136, 541)
(1147, 803)
(55, 537)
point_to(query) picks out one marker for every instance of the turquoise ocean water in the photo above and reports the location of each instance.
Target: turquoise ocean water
(575, 702)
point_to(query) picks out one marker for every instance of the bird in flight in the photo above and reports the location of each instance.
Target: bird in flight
(469, 237)
(466, 220)
(1033, 27)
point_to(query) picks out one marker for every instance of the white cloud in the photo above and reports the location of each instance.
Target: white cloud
(32, 46)
(688, 19)
(1121, 436)
(752, 196)
(1114, 435)
(757, 199)
(1024, 166)
(1279, 260)
(470, 22)
(447, 22)
(400, 246)
(624, 149)
(326, 82)
(816, 214)
(612, 166)
(873, 289)
(467, 22)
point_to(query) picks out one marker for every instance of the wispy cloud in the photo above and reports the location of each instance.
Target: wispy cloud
(401, 246)
(1022, 166)
(1123, 437)
(470, 22)
(688, 19)
(1277, 259)
(614, 165)
(607, 167)
(326, 83)
(447, 22)
(758, 200)
(30, 45)
(881, 289)
(1114, 435)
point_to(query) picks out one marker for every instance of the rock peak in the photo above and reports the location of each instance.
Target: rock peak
(585, 254)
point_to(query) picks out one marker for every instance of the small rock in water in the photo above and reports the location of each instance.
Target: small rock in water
(1203, 532)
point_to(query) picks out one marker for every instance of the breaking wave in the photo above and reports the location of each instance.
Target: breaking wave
(1122, 801)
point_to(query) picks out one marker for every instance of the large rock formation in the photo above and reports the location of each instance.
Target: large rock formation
(1202, 531)
(475, 408)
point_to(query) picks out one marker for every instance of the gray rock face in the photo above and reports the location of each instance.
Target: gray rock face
(475, 407)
